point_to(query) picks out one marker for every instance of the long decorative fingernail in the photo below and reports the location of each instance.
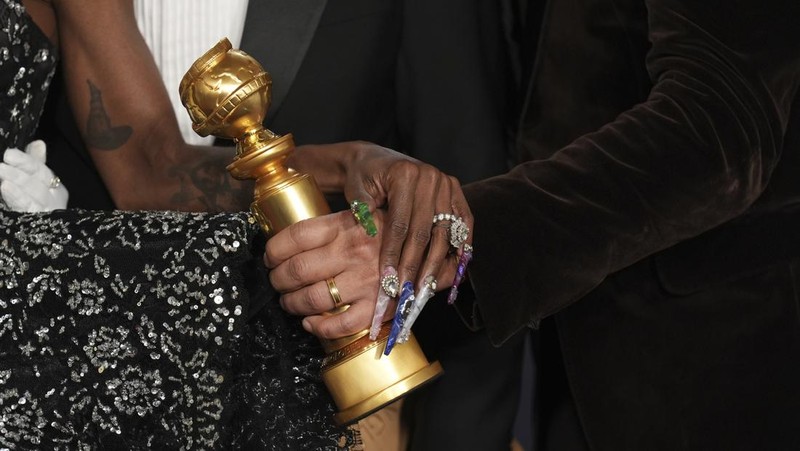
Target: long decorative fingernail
(423, 295)
(362, 214)
(388, 290)
(406, 298)
(463, 261)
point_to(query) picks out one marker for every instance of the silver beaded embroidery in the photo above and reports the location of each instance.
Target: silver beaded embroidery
(92, 331)
(134, 328)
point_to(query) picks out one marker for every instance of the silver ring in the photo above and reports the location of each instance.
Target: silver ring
(459, 231)
(444, 217)
(55, 182)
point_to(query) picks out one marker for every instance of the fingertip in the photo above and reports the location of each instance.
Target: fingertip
(307, 324)
(271, 261)
(38, 150)
(12, 155)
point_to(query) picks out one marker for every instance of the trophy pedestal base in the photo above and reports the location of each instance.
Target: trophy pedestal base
(388, 395)
(362, 379)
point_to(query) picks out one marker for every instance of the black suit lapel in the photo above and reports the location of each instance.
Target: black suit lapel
(278, 33)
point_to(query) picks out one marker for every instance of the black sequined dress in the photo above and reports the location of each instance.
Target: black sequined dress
(123, 330)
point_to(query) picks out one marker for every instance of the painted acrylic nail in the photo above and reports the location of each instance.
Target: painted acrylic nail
(463, 261)
(424, 294)
(406, 297)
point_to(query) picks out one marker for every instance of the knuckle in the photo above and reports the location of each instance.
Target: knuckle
(325, 330)
(439, 233)
(421, 237)
(398, 229)
(430, 174)
(406, 169)
(314, 301)
(296, 269)
(404, 166)
(298, 231)
(390, 257)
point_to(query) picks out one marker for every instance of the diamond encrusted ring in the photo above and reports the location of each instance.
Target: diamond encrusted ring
(390, 284)
(459, 231)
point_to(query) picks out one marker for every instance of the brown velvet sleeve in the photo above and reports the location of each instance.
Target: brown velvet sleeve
(697, 153)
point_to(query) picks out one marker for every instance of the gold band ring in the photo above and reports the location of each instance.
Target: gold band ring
(337, 298)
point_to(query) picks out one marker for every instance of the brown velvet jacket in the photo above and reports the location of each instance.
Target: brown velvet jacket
(656, 216)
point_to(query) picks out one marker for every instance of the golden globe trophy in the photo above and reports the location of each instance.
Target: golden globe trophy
(227, 94)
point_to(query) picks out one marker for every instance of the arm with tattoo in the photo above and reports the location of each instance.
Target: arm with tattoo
(99, 132)
(127, 121)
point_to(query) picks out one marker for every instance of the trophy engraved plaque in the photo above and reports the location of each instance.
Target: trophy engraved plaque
(227, 94)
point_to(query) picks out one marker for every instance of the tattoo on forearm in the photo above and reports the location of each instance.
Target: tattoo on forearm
(208, 184)
(99, 132)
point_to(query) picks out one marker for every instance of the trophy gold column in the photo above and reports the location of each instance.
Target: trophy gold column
(227, 94)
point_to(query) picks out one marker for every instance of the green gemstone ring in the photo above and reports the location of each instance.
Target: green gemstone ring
(364, 217)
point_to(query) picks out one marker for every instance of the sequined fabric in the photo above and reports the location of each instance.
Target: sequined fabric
(27, 64)
(129, 331)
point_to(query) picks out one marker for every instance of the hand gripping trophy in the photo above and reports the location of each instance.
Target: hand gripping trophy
(227, 94)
